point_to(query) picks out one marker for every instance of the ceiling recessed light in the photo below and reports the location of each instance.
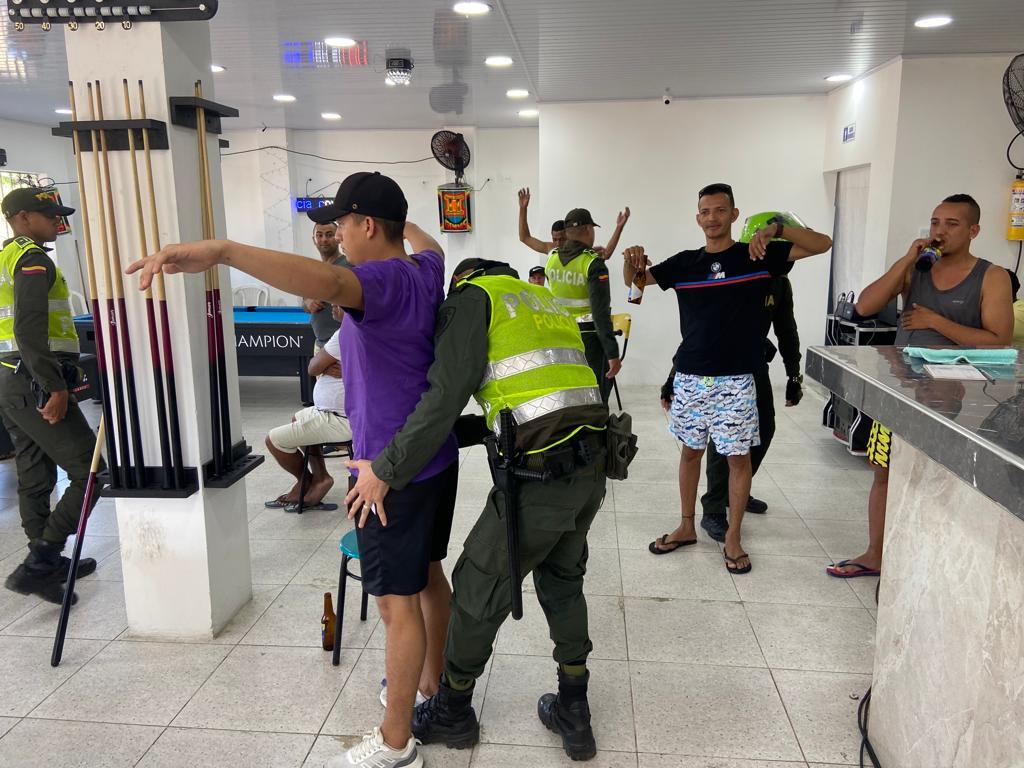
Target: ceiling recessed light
(339, 42)
(471, 8)
(285, 98)
(63, 111)
(498, 61)
(517, 93)
(389, 81)
(216, 68)
(529, 112)
(330, 116)
(842, 78)
(931, 22)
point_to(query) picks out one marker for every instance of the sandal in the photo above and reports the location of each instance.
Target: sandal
(663, 546)
(862, 570)
(279, 503)
(325, 506)
(732, 563)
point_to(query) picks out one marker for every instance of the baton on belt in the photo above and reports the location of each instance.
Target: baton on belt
(502, 458)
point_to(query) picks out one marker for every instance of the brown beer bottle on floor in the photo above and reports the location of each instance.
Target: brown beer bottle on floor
(327, 624)
(636, 287)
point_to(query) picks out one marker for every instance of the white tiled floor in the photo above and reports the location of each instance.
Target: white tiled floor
(692, 667)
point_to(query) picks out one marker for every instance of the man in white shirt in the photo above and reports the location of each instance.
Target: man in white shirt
(323, 422)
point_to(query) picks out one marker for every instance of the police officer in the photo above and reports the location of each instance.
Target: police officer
(38, 343)
(578, 278)
(511, 345)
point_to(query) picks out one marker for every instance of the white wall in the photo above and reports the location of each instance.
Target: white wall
(31, 148)
(953, 132)
(654, 158)
(873, 104)
(508, 157)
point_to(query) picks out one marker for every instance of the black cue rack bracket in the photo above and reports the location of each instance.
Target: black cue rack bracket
(154, 485)
(243, 461)
(117, 133)
(185, 108)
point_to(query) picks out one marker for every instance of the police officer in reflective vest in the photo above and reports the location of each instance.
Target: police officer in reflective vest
(37, 342)
(514, 347)
(578, 278)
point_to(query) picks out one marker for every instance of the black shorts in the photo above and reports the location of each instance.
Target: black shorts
(394, 560)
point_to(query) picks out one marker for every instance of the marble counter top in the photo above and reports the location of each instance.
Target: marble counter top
(973, 428)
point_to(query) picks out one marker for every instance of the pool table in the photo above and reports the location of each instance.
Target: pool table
(269, 341)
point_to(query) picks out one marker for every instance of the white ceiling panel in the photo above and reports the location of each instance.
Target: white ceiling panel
(564, 50)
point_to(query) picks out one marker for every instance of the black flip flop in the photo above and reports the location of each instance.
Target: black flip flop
(734, 560)
(321, 506)
(655, 550)
(279, 503)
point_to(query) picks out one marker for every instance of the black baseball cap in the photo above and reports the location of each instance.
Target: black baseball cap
(538, 270)
(33, 199)
(579, 217)
(368, 194)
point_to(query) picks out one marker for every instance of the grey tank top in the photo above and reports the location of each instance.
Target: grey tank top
(961, 304)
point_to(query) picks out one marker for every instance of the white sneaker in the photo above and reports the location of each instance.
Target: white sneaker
(420, 698)
(372, 752)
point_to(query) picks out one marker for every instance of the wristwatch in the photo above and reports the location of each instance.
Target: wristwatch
(779, 225)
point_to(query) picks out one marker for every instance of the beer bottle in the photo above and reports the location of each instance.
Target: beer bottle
(636, 287)
(327, 624)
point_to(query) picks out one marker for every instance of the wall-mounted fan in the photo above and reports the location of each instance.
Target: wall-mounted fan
(453, 200)
(451, 151)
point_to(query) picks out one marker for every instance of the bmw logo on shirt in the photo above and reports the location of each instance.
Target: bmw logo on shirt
(716, 272)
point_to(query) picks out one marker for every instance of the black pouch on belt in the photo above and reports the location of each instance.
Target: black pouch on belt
(622, 446)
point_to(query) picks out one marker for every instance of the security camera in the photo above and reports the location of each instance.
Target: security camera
(666, 98)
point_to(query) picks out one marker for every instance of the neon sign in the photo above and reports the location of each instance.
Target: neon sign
(316, 54)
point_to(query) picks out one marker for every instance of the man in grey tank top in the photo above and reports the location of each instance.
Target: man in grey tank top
(327, 245)
(962, 301)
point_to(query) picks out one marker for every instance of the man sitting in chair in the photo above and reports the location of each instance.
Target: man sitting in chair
(323, 422)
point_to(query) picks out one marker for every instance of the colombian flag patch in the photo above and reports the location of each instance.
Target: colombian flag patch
(33, 270)
(602, 278)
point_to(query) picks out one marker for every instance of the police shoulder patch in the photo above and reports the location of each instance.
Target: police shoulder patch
(444, 320)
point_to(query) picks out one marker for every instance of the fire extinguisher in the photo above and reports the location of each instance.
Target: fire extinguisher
(1016, 228)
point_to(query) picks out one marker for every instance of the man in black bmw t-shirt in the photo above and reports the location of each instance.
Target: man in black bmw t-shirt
(721, 289)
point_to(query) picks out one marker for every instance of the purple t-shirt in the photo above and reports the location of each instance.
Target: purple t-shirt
(386, 350)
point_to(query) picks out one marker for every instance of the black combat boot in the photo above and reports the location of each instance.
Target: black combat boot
(567, 713)
(447, 718)
(43, 573)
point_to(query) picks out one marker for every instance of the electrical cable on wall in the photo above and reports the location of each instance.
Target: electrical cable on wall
(327, 159)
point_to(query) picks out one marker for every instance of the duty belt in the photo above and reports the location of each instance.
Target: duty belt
(581, 451)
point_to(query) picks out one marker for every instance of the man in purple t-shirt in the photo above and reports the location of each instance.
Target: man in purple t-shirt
(391, 299)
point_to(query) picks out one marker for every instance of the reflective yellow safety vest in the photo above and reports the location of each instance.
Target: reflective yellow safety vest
(61, 325)
(569, 283)
(535, 360)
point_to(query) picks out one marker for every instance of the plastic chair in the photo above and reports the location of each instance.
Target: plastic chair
(349, 547)
(79, 306)
(260, 296)
(621, 324)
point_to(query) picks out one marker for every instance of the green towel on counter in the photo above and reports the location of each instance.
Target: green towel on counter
(974, 356)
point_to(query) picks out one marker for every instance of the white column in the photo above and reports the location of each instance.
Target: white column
(186, 562)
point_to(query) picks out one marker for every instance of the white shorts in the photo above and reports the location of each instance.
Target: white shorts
(723, 408)
(311, 426)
